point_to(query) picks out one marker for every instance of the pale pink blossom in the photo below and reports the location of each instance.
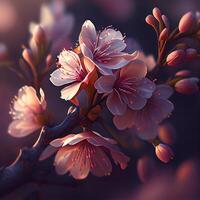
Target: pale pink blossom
(146, 120)
(127, 88)
(85, 152)
(104, 49)
(57, 23)
(72, 73)
(27, 112)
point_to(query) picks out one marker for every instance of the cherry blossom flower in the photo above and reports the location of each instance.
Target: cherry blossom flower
(85, 152)
(57, 24)
(146, 120)
(27, 111)
(73, 73)
(127, 88)
(104, 49)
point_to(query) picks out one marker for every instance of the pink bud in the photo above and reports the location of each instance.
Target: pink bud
(157, 14)
(176, 57)
(187, 85)
(166, 21)
(39, 35)
(28, 56)
(183, 73)
(151, 20)
(145, 168)
(164, 153)
(164, 34)
(187, 22)
(191, 53)
(167, 133)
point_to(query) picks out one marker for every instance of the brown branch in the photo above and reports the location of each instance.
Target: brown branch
(26, 166)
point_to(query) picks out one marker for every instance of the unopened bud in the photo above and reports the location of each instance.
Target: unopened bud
(150, 19)
(183, 73)
(186, 22)
(167, 133)
(39, 35)
(28, 56)
(157, 14)
(164, 153)
(166, 21)
(187, 86)
(176, 57)
(145, 168)
(164, 34)
(191, 53)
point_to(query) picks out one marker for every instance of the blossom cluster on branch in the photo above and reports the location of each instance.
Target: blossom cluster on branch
(98, 76)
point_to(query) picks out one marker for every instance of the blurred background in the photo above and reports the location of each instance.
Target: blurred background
(129, 17)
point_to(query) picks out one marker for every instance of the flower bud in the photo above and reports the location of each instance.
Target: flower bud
(145, 168)
(151, 20)
(191, 53)
(28, 56)
(186, 22)
(187, 85)
(183, 73)
(164, 34)
(167, 133)
(166, 21)
(39, 35)
(157, 14)
(164, 153)
(176, 57)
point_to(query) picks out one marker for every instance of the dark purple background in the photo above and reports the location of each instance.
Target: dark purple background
(185, 116)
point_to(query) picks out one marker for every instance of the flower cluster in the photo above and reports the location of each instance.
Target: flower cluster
(99, 76)
(118, 77)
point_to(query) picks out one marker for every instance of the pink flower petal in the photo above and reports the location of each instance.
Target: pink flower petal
(88, 35)
(135, 68)
(101, 165)
(120, 158)
(115, 103)
(70, 91)
(123, 121)
(22, 128)
(163, 91)
(105, 84)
